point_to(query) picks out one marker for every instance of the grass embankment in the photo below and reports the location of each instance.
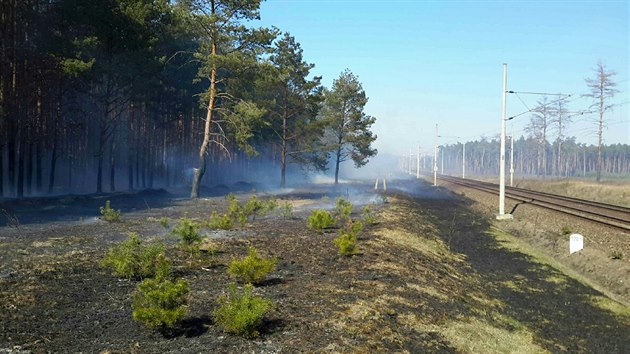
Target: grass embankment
(459, 284)
(612, 191)
(615, 192)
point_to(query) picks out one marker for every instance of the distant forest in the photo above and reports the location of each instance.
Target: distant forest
(532, 157)
(109, 95)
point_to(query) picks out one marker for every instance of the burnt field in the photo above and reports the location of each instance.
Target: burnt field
(433, 274)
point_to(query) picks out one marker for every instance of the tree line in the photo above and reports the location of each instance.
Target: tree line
(107, 95)
(564, 158)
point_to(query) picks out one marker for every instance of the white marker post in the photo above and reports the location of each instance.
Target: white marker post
(576, 243)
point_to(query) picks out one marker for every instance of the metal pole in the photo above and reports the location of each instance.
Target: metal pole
(464, 161)
(502, 214)
(410, 156)
(418, 163)
(435, 157)
(512, 160)
(442, 153)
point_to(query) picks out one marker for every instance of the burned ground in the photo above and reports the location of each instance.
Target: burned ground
(433, 275)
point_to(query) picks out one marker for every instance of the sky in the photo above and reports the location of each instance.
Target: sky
(423, 63)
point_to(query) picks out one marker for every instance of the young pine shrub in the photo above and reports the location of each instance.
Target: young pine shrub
(164, 222)
(252, 269)
(271, 205)
(160, 303)
(286, 210)
(223, 222)
(343, 209)
(254, 207)
(347, 239)
(319, 220)
(347, 243)
(133, 259)
(188, 231)
(109, 214)
(241, 312)
(368, 215)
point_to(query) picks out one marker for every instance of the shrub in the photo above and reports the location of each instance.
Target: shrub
(347, 239)
(164, 222)
(368, 215)
(271, 205)
(223, 222)
(254, 207)
(252, 269)
(241, 313)
(286, 210)
(188, 231)
(343, 209)
(160, 303)
(566, 231)
(132, 259)
(109, 214)
(347, 243)
(320, 219)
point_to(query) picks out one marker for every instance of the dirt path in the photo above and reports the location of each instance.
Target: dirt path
(432, 276)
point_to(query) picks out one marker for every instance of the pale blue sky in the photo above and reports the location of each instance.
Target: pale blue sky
(428, 62)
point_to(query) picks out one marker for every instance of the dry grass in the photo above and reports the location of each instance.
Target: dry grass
(477, 336)
(606, 192)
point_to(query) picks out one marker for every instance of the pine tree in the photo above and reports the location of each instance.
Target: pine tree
(348, 127)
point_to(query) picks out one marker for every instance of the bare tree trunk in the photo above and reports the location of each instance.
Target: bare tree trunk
(131, 143)
(283, 152)
(20, 179)
(337, 161)
(112, 166)
(199, 172)
(599, 137)
(29, 169)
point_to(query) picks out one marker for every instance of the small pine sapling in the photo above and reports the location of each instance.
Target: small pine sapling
(164, 222)
(223, 222)
(347, 239)
(286, 210)
(368, 215)
(132, 258)
(188, 231)
(343, 209)
(109, 214)
(319, 220)
(160, 303)
(252, 269)
(241, 312)
(254, 207)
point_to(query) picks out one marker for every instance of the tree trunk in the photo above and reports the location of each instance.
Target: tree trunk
(599, 136)
(131, 144)
(112, 166)
(199, 172)
(29, 170)
(20, 179)
(337, 161)
(1, 168)
(38, 166)
(283, 152)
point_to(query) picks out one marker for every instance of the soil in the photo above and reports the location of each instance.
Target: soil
(427, 273)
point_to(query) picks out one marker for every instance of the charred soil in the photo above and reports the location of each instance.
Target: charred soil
(431, 276)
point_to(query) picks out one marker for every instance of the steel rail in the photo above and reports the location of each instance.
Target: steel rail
(558, 203)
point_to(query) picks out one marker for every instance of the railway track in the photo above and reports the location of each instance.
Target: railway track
(607, 214)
